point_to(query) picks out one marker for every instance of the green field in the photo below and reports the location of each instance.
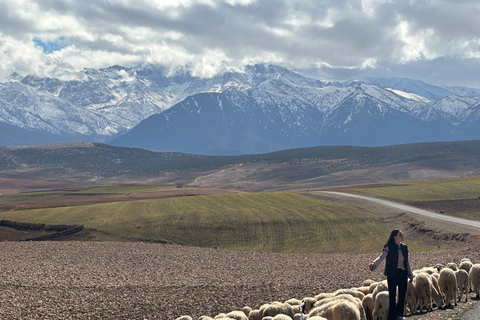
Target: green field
(122, 188)
(268, 222)
(427, 190)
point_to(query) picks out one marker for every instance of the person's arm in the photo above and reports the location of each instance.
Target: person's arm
(375, 263)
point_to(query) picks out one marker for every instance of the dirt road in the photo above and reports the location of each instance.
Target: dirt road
(396, 205)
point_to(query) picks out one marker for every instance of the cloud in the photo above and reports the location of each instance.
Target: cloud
(333, 37)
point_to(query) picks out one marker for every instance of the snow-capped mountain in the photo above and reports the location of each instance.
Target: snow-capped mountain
(263, 108)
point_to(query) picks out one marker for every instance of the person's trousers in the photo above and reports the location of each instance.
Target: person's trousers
(399, 281)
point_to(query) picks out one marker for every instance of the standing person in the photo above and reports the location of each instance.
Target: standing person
(397, 269)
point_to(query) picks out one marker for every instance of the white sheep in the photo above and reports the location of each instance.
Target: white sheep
(475, 279)
(323, 295)
(282, 317)
(247, 310)
(278, 307)
(447, 282)
(423, 289)
(353, 292)
(317, 318)
(382, 304)
(452, 265)
(437, 298)
(294, 301)
(368, 305)
(236, 315)
(255, 315)
(463, 283)
(308, 303)
(368, 282)
(300, 316)
(365, 289)
(205, 318)
(381, 286)
(184, 318)
(410, 298)
(372, 287)
(465, 264)
(336, 298)
(341, 309)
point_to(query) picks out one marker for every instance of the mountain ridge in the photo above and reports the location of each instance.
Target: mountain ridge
(278, 109)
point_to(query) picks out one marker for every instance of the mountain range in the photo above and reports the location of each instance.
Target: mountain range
(261, 109)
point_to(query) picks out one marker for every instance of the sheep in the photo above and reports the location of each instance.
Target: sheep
(341, 309)
(184, 318)
(294, 302)
(452, 265)
(382, 286)
(463, 282)
(246, 310)
(282, 317)
(255, 315)
(277, 307)
(435, 281)
(368, 305)
(308, 303)
(365, 289)
(437, 298)
(410, 298)
(205, 318)
(475, 279)
(372, 287)
(368, 282)
(300, 316)
(336, 298)
(381, 306)
(447, 282)
(352, 292)
(236, 315)
(423, 289)
(324, 295)
(465, 264)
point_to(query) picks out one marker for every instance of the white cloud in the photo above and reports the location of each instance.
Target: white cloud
(210, 35)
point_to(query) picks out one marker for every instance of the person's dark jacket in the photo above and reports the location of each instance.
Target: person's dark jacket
(391, 261)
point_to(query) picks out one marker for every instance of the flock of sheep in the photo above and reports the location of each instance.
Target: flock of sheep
(439, 286)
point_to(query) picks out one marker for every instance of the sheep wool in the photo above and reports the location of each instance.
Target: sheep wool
(462, 283)
(423, 289)
(255, 315)
(352, 292)
(475, 279)
(276, 308)
(282, 317)
(236, 315)
(368, 305)
(410, 298)
(381, 306)
(338, 310)
(308, 303)
(465, 264)
(184, 318)
(447, 282)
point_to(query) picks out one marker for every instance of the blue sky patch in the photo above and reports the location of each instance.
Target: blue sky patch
(52, 46)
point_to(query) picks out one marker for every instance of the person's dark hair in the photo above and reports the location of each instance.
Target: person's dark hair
(391, 239)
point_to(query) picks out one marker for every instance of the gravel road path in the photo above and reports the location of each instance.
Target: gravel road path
(396, 205)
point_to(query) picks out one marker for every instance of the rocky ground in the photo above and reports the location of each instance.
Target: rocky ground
(135, 280)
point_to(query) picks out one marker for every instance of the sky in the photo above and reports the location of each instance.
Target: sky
(437, 41)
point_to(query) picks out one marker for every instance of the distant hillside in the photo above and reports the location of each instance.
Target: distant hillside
(93, 160)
